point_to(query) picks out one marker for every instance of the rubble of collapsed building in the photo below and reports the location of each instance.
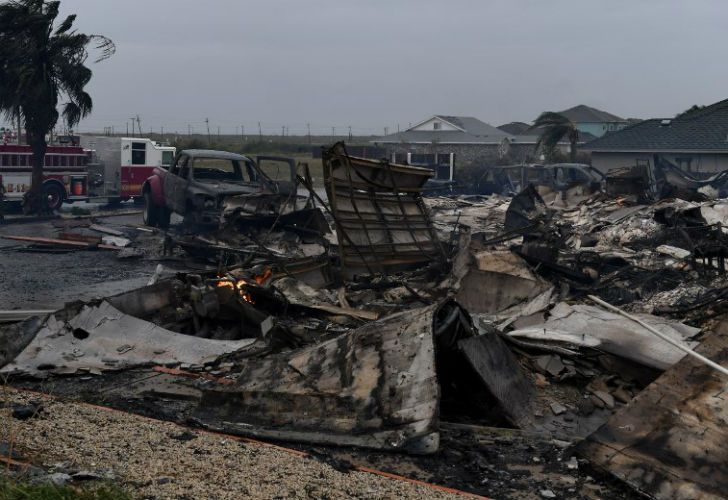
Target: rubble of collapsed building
(581, 312)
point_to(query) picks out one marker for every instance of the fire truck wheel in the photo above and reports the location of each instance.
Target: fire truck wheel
(151, 211)
(54, 195)
(163, 217)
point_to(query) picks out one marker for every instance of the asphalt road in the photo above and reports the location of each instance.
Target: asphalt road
(42, 280)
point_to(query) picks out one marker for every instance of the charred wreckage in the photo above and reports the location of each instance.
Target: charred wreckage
(575, 311)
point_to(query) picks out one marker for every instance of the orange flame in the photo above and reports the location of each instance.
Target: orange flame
(262, 278)
(238, 286)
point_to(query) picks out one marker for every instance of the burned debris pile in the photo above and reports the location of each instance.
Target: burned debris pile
(369, 318)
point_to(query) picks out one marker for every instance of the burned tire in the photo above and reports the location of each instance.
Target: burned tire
(151, 211)
(163, 217)
(54, 196)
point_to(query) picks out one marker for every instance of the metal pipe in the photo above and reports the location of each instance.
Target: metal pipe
(664, 337)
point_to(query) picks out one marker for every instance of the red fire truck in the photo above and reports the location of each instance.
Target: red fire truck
(65, 177)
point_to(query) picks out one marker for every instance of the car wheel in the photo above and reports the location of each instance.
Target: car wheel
(164, 216)
(151, 211)
(54, 195)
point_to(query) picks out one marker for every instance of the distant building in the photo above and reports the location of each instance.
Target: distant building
(515, 128)
(442, 140)
(696, 141)
(594, 121)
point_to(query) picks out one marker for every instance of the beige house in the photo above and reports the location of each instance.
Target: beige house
(443, 141)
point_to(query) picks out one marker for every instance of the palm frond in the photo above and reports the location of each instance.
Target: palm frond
(554, 128)
(66, 25)
(42, 62)
(549, 118)
(551, 136)
(105, 45)
(72, 113)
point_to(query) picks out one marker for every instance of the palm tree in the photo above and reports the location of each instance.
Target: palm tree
(554, 127)
(40, 66)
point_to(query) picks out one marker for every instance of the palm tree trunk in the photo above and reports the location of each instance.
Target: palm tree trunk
(34, 201)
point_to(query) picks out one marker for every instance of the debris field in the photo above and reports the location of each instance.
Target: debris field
(551, 342)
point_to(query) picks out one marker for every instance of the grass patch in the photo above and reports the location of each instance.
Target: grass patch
(11, 490)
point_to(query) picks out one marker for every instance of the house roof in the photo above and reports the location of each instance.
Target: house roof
(514, 128)
(472, 131)
(703, 130)
(587, 114)
(472, 125)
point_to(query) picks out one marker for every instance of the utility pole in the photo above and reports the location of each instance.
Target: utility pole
(308, 128)
(349, 133)
(127, 129)
(139, 125)
(189, 130)
(260, 133)
(132, 125)
(333, 132)
(242, 132)
(283, 130)
(207, 122)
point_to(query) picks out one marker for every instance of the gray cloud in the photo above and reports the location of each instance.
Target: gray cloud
(371, 64)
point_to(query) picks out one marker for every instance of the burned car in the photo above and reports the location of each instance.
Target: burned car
(510, 179)
(200, 182)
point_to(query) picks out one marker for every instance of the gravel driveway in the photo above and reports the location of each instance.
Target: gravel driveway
(154, 459)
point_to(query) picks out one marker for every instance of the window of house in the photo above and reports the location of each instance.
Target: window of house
(436, 126)
(138, 153)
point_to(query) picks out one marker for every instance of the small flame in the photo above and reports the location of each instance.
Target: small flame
(262, 278)
(238, 286)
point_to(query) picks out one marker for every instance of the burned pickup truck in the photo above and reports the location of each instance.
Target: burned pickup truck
(202, 185)
(511, 179)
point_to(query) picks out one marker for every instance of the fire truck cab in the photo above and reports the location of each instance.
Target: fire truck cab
(120, 165)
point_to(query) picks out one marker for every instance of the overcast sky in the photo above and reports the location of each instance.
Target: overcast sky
(375, 63)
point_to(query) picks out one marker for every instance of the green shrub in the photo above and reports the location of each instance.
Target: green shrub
(11, 490)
